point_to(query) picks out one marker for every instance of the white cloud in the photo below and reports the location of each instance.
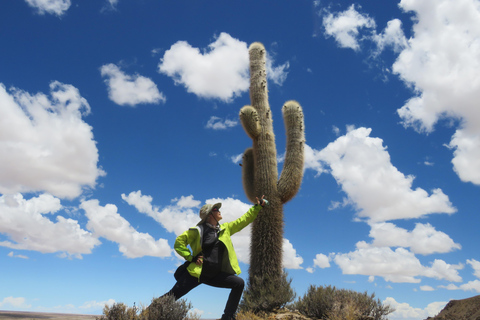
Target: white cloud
(362, 166)
(349, 27)
(187, 202)
(12, 255)
(442, 64)
(106, 222)
(219, 72)
(406, 312)
(427, 288)
(290, 258)
(344, 26)
(442, 270)
(129, 90)
(394, 266)
(400, 265)
(57, 7)
(466, 155)
(321, 261)
(313, 160)
(236, 159)
(45, 144)
(469, 286)
(392, 36)
(25, 223)
(476, 267)
(424, 239)
(94, 305)
(113, 3)
(217, 123)
(14, 302)
(177, 218)
(277, 74)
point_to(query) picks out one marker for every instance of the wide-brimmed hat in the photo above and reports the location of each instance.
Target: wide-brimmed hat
(206, 210)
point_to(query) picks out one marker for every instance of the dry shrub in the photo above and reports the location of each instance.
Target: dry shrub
(162, 308)
(274, 294)
(335, 304)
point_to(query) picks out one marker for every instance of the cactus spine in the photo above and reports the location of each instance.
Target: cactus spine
(260, 174)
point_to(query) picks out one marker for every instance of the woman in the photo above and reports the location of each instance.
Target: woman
(213, 260)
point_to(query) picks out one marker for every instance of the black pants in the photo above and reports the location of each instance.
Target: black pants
(222, 280)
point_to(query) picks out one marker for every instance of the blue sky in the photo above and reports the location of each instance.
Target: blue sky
(119, 120)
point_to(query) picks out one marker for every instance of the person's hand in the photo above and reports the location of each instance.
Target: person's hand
(261, 202)
(199, 261)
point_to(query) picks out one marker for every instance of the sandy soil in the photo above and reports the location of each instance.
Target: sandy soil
(16, 315)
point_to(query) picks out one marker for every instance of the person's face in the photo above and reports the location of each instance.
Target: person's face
(217, 214)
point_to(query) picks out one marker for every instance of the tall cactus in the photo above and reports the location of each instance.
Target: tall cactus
(260, 176)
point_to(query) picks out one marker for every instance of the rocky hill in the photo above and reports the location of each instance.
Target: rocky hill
(466, 309)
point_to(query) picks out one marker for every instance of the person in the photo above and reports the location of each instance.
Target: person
(212, 258)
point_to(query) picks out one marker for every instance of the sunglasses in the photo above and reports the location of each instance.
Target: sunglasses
(215, 210)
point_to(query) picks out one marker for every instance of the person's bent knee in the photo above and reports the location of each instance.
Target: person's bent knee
(240, 282)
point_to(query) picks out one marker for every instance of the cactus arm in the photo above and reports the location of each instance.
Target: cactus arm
(248, 175)
(250, 121)
(292, 172)
(258, 85)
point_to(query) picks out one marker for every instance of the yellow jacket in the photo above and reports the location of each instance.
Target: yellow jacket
(193, 237)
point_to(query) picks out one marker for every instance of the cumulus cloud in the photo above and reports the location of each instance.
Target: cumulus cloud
(391, 37)
(291, 260)
(130, 90)
(427, 288)
(406, 312)
(424, 239)
(56, 7)
(96, 305)
(398, 265)
(344, 26)
(217, 72)
(20, 256)
(321, 261)
(45, 144)
(362, 166)
(237, 158)
(26, 224)
(476, 267)
(313, 160)
(469, 286)
(176, 218)
(350, 28)
(278, 74)
(217, 123)
(442, 64)
(183, 214)
(107, 223)
(18, 302)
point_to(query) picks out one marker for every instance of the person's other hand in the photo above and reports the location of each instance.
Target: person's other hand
(260, 201)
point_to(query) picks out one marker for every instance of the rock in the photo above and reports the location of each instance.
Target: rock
(465, 309)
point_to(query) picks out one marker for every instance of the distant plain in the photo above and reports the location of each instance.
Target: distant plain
(18, 315)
